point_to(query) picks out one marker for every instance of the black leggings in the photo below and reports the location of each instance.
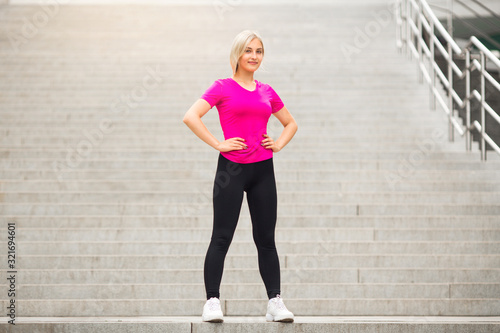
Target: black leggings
(231, 180)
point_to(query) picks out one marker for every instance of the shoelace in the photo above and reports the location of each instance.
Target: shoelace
(213, 304)
(279, 303)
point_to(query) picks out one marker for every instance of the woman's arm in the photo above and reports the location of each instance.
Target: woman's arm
(192, 119)
(289, 130)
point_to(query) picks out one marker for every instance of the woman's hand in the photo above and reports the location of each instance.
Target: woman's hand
(231, 144)
(269, 143)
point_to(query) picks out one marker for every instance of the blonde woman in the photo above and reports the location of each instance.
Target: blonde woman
(245, 164)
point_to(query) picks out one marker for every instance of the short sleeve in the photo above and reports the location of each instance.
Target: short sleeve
(213, 94)
(276, 103)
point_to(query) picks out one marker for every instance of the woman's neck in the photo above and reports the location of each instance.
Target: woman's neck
(244, 77)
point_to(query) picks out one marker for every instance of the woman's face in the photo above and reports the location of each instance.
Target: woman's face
(252, 56)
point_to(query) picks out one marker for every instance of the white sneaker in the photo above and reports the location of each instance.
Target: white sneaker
(277, 311)
(212, 311)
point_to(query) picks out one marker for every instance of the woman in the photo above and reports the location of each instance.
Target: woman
(245, 164)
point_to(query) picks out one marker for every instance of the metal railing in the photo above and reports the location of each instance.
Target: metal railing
(414, 18)
(486, 21)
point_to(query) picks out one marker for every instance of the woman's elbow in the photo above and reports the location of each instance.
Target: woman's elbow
(294, 126)
(187, 119)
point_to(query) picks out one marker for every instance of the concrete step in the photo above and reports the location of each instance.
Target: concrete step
(412, 148)
(23, 98)
(123, 128)
(416, 149)
(125, 164)
(249, 307)
(294, 101)
(145, 117)
(208, 174)
(305, 98)
(170, 117)
(323, 197)
(171, 234)
(310, 275)
(169, 103)
(373, 103)
(54, 70)
(135, 129)
(373, 306)
(295, 261)
(243, 247)
(185, 324)
(85, 114)
(385, 209)
(298, 106)
(392, 261)
(117, 108)
(130, 70)
(152, 154)
(282, 234)
(48, 89)
(290, 91)
(59, 182)
(215, 68)
(256, 290)
(284, 220)
(123, 124)
(121, 137)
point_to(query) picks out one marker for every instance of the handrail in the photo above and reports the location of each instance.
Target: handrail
(486, 8)
(455, 17)
(479, 4)
(474, 41)
(412, 19)
(439, 26)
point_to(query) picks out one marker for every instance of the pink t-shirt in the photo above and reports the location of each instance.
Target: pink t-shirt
(244, 113)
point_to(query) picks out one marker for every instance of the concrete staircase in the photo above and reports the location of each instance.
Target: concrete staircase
(379, 215)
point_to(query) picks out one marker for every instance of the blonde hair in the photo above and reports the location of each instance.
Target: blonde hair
(240, 43)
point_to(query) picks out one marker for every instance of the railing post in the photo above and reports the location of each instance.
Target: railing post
(402, 12)
(401, 27)
(419, 46)
(449, 27)
(431, 67)
(468, 143)
(402, 31)
(449, 18)
(451, 129)
(399, 18)
(408, 30)
(483, 98)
